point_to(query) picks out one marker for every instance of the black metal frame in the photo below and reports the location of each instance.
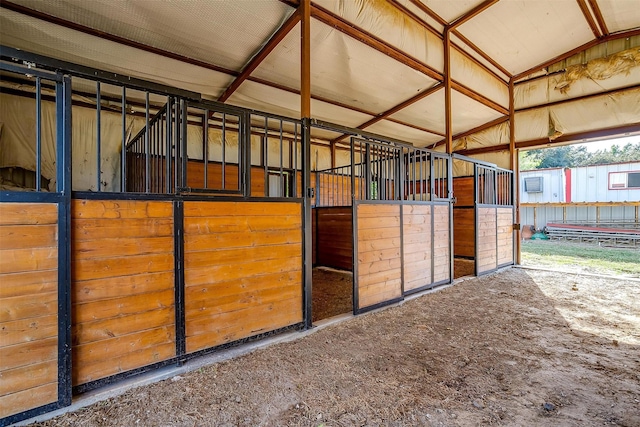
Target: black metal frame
(480, 169)
(62, 198)
(397, 174)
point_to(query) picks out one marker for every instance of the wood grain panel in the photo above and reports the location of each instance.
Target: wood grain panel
(335, 237)
(417, 237)
(441, 245)
(243, 270)
(379, 237)
(505, 235)
(463, 191)
(123, 312)
(28, 306)
(486, 258)
(464, 231)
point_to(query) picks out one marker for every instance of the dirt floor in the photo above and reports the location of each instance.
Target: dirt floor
(332, 293)
(517, 348)
(463, 267)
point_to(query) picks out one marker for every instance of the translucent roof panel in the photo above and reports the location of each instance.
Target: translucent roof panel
(403, 133)
(468, 114)
(389, 23)
(51, 40)
(344, 70)
(427, 113)
(260, 97)
(451, 10)
(198, 29)
(620, 14)
(521, 34)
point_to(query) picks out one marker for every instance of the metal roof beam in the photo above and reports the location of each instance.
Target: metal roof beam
(372, 41)
(472, 13)
(257, 59)
(111, 37)
(423, 7)
(476, 96)
(599, 18)
(589, 18)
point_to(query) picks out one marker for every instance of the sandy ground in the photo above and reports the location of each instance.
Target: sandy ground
(517, 348)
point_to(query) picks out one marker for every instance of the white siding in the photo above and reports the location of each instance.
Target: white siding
(552, 187)
(591, 184)
(576, 214)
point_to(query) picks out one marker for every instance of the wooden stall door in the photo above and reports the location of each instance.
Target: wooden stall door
(441, 243)
(243, 270)
(28, 306)
(417, 241)
(486, 242)
(378, 276)
(123, 294)
(505, 235)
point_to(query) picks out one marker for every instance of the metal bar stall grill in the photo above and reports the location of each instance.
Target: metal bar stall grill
(42, 191)
(147, 166)
(494, 240)
(275, 148)
(376, 175)
(334, 186)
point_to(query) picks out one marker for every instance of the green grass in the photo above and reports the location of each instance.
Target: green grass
(582, 257)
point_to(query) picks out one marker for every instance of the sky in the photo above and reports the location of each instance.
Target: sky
(606, 143)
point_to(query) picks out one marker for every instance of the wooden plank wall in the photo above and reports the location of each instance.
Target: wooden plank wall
(335, 237)
(379, 263)
(28, 306)
(464, 229)
(463, 191)
(487, 257)
(464, 232)
(505, 235)
(441, 246)
(416, 241)
(243, 270)
(195, 177)
(123, 314)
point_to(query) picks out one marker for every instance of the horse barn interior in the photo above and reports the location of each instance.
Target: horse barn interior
(181, 177)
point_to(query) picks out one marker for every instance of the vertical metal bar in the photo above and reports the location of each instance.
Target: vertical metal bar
(180, 317)
(176, 145)
(155, 152)
(123, 151)
(295, 159)
(434, 171)
(167, 150)
(147, 159)
(224, 151)
(367, 171)
(64, 186)
(244, 134)
(265, 143)
(308, 239)
(123, 148)
(495, 187)
(183, 142)
(205, 149)
(98, 139)
(475, 216)
(281, 158)
(39, 133)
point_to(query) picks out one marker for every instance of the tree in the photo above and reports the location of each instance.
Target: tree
(568, 156)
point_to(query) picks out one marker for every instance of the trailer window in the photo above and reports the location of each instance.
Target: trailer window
(624, 180)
